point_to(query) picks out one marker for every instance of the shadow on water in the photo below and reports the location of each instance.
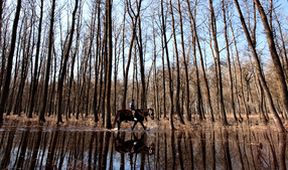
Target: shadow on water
(30, 148)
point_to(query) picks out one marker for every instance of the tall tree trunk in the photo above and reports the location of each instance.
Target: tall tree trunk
(284, 49)
(26, 45)
(70, 85)
(276, 117)
(11, 99)
(97, 66)
(168, 65)
(5, 89)
(134, 17)
(163, 75)
(224, 13)
(274, 54)
(177, 97)
(240, 75)
(195, 32)
(218, 63)
(199, 104)
(142, 67)
(49, 58)
(116, 70)
(187, 101)
(63, 69)
(34, 84)
(109, 64)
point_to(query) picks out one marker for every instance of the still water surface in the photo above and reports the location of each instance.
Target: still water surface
(91, 148)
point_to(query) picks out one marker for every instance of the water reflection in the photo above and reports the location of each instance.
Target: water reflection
(63, 148)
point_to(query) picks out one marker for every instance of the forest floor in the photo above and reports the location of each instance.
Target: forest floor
(86, 123)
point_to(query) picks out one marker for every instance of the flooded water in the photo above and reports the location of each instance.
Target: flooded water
(74, 148)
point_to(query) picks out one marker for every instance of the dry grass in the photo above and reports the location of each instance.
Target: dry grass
(162, 125)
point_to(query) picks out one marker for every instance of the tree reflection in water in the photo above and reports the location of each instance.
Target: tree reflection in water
(66, 148)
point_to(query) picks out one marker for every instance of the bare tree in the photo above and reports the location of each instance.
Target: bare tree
(49, 58)
(109, 57)
(5, 90)
(274, 54)
(134, 16)
(142, 65)
(259, 70)
(224, 13)
(218, 63)
(177, 97)
(168, 65)
(187, 101)
(97, 54)
(26, 53)
(194, 30)
(239, 76)
(34, 83)
(64, 64)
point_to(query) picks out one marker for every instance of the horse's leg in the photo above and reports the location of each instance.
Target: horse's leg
(134, 124)
(118, 123)
(143, 125)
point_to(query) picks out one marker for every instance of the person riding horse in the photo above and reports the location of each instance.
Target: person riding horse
(138, 116)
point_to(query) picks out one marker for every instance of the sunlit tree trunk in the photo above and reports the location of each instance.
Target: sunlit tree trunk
(224, 13)
(134, 15)
(284, 49)
(177, 97)
(163, 76)
(5, 89)
(168, 65)
(218, 63)
(187, 101)
(194, 31)
(274, 54)
(276, 117)
(142, 66)
(116, 69)
(156, 92)
(240, 94)
(104, 74)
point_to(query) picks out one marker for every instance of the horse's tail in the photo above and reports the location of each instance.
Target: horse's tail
(116, 117)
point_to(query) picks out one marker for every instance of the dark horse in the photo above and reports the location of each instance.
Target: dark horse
(133, 146)
(139, 116)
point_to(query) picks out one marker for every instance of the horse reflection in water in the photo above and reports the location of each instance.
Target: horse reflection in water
(139, 116)
(134, 145)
